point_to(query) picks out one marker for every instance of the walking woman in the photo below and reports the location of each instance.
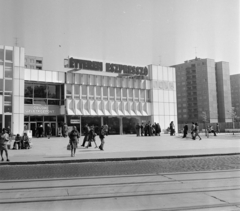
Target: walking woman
(3, 143)
(74, 136)
(197, 131)
(102, 133)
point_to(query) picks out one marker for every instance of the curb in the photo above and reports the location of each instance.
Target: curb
(112, 159)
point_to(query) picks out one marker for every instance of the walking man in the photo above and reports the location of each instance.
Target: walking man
(185, 131)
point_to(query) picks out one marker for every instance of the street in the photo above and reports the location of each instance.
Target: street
(204, 183)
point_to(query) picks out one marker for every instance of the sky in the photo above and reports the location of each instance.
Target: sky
(130, 32)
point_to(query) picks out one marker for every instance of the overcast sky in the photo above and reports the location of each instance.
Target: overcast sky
(134, 32)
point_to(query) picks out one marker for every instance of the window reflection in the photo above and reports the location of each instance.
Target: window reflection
(53, 91)
(28, 92)
(69, 89)
(40, 91)
(40, 101)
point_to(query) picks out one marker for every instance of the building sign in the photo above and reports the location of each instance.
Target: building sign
(47, 110)
(75, 121)
(110, 67)
(85, 64)
(169, 85)
(132, 70)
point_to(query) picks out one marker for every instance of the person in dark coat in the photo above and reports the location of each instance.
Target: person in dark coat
(185, 131)
(172, 128)
(86, 134)
(142, 130)
(102, 134)
(65, 130)
(48, 131)
(74, 136)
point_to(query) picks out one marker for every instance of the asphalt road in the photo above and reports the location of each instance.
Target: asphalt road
(41, 171)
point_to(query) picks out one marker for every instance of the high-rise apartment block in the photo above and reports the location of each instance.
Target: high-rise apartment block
(33, 62)
(202, 85)
(235, 90)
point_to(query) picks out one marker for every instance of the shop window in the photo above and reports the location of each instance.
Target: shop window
(1, 85)
(36, 118)
(69, 89)
(40, 91)
(40, 101)
(9, 54)
(76, 90)
(53, 102)
(8, 85)
(50, 118)
(8, 70)
(112, 94)
(7, 109)
(1, 54)
(98, 92)
(118, 93)
(28, 91)
(26, 118)
(105, 92)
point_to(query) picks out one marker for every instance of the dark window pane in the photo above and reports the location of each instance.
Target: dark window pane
(69, 89)
(40, 91)
(8, 85)
(40, 101)
(2, 54)
(54, 91)
(28, 92)
(1, 84)
(26, 118)
(8, 70)
(9, 55)
(50, 118)
(39, 118)
(7, 108)
(62, 91)
(53, 102)
(8, 99)
(28, 101)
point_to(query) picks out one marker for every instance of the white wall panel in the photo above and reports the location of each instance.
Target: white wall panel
(21, 87)
(166, 122)
(171, 109)
(27, 74)
(16, 104)
(166, 109)
(160, 96)
(16, 87)
(148, 84)
(161, 108)
(155, 109)
(170, 74)
(16, 56)
(34, 75)
(48, 76)
(154, 72)
(42, 75)
(21, 107)
(165, 73)
(161, 122)
(155, 96)
(15, 120)
(166, 97)
(174, 74)
(21, 73)
(175, 123)
(1, 71)
(1, 103)
(171, 96)
(22, 57)
(16, 72)
(54, 76)
(61, 77)
(160, 73)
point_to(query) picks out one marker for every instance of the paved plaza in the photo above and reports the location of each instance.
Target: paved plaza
(126, 147)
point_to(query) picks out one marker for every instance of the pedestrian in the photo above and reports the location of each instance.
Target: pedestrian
(86, 131)
(211, 130)
(193, 131)
(185, 131)
(106, 130)
(25, 142)
(3, 143)
(172, 128)
(17, 142)
(74, 136)
(41, 131)
(142, 130)
(217, 128)
(65, 130)
(91, 138)
(102, 134)
(48, 131)
(197, 131)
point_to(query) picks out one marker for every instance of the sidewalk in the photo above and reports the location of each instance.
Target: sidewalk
(125, 147)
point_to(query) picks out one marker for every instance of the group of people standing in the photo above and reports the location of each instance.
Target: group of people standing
(148, 129)
(89, 137)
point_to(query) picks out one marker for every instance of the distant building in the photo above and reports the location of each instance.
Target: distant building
(235, 92)
(198, 91)
(33, 62)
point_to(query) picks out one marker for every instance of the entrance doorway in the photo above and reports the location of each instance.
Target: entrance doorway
(53, 127)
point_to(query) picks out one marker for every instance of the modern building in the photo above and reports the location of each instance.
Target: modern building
(33, 62)
(203, 86)
(235, 92)
(87, 92)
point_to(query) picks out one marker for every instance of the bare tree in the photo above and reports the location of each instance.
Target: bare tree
(205, 120)
(234, 116)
